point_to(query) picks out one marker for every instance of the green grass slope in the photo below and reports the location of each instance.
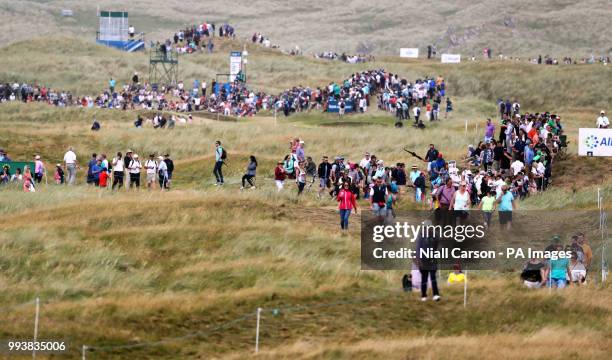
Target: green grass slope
(521, 28)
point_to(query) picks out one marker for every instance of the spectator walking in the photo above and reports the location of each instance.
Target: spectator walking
(250, 173)
(220, 156)
(427, 264)
(346, 203)
(71, 164)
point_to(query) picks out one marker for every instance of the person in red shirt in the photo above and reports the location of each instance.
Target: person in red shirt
(103, 180)
(279, 176)
(346, 203)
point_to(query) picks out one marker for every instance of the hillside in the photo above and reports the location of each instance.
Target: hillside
(85, 68)
(520, 28)
(180, 274)
(115, 269)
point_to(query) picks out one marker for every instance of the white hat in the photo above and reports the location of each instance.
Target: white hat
(602, 112)
(37, 157)
(160, 157)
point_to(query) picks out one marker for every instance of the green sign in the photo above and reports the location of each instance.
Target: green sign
(14, 165)
(117, 14)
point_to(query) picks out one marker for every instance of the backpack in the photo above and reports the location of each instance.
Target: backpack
(407, 282)
(223, 154)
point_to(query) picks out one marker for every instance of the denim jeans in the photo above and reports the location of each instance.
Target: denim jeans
(344, 218)
(558, 283)
(71, 174)
(218, 171)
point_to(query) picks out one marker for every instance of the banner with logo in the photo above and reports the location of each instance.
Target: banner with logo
(334, 107)
(451, 58)
(235, 64)
(409, 52)
(594, 142)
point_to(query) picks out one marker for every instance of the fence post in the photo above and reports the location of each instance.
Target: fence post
(36, 327)
(257, 330)
(465, 280)
(84, 351)
(466, 126)
(599, 198)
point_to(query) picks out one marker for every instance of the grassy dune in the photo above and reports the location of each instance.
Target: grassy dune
(523, 28)
(121, 268)
(85, 68)
(142, 267)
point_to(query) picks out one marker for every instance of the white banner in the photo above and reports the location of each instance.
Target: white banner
(594, 142)
(451, 58)
(409, 52)
(235, 64)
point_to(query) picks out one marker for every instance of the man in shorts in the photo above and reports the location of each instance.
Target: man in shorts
(151, 169)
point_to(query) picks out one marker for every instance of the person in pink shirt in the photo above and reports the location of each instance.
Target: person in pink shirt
(39, 169)
(347, 202)
(28, 181)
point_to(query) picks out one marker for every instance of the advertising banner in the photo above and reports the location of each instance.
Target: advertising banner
(409, 52)
(594, 142)
(451, 58)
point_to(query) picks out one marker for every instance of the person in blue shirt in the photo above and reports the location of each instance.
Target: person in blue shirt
(91, 178)
(528, 154)
(505, 207)
(559, 270)
(111, 85)
(96, 169)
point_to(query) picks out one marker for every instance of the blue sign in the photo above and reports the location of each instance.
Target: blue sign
(333, 107)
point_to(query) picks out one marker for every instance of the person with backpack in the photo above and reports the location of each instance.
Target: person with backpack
(250, 173)
(90, 176)
(170, 169)
(378, 199)
(311, 171)
(220, 156)
(162, 173)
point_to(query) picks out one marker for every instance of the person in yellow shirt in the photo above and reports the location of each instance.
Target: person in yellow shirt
(487, 206)
(586, 249)
(456, 276)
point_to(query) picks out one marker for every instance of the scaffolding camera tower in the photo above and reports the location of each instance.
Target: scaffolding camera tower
(163, 67)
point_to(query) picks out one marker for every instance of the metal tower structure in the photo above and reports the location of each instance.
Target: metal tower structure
(163, 67)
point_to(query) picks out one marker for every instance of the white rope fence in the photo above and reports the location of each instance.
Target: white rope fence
(87, 349)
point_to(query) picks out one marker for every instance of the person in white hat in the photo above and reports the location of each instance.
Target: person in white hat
(162, 172)
(602, 121)
(134, 168)
(39, 169)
